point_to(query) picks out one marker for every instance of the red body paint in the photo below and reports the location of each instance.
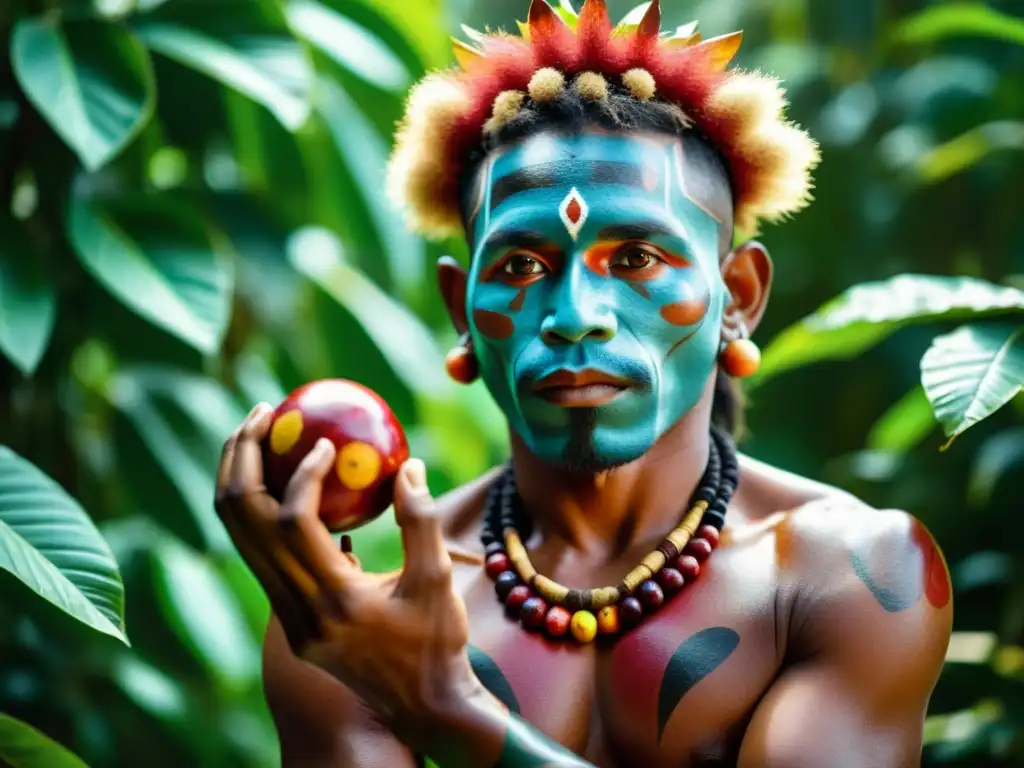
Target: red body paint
(517, 303)
(935, 575)
(494, 325)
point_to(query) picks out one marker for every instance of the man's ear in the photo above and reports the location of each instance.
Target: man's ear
(748, 272)
(452, 279)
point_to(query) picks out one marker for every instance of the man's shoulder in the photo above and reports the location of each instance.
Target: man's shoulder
(832, 545)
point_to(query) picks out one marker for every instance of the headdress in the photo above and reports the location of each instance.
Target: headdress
(450, 113)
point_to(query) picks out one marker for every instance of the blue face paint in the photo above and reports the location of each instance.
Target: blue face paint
(590, 256)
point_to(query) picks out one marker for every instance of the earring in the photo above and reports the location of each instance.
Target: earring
(461, 363)
(740, 357)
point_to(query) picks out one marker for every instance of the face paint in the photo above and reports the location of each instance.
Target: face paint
(591, 260)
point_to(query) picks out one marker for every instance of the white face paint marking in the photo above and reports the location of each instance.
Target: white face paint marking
(574, 211)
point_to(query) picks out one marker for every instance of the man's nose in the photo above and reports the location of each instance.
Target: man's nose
(580, 308)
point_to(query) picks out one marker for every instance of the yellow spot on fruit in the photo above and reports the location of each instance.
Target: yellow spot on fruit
(358, 465)
(286, 432)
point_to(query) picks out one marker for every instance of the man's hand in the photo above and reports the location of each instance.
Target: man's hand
(398, 641)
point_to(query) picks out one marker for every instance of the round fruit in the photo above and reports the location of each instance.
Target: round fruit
(369, 442)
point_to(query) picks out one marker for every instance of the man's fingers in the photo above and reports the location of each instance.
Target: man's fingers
(299, 519)
(427, 563)
(245, 489)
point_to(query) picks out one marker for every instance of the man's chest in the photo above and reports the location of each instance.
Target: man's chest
(677, 690)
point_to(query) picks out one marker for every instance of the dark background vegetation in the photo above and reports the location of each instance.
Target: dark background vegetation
(193, 221)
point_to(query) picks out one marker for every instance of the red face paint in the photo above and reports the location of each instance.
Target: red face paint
(494, 325)
(517, 303)
(685, 312)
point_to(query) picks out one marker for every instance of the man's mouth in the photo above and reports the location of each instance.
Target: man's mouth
(580, 389)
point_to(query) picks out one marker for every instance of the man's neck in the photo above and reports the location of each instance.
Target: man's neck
(610, 512)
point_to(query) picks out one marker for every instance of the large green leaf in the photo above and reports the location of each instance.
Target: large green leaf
(22, 746)
(245, 44)
(28, 305)
(406, 343)
(183, 420)
(946, 20)
(365, 155)
(904, 425)
(49, 543)
(971, 373)
(157, 257)
(92, 81)
(202, 610)
(868, 313)
(347, 43)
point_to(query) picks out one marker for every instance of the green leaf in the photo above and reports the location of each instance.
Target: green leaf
(156, 256)
(568, 14)
(49, 543)
(91, 80)
(940, 22)
(365, 156)
(244, 44)
(969, 149)
(183, 420)
(204, 614)
(635, 16)
(349, 44)
(407, 344)
(22, 746)
(904, 425)
(868, 313)
(971, 373)
(28, 304)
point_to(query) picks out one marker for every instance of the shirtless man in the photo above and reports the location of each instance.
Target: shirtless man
(598, 179)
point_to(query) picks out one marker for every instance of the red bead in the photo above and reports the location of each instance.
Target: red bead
(533, 613)
(688, 566)
(651, 595)
(710, 534)
(670, 580)
(630, 612)
(497, 564)
(504, 583)
(557, 621)
(516, 598)
(699, 548)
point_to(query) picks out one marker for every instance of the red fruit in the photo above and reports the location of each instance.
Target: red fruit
(370, 445)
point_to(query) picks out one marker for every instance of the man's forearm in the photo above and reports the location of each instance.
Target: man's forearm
(481, 733)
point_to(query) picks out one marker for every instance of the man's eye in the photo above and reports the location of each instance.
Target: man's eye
(522, 265)
(635, 257)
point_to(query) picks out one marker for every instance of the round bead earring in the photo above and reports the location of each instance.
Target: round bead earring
(740, 357)
(461, 363)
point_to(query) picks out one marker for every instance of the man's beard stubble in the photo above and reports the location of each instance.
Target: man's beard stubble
(580, 456)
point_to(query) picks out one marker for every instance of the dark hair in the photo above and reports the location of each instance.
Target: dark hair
(570, 112)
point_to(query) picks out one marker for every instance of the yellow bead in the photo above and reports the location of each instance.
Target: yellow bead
(286, 432)
(358, 466)
(608, 620)
(584, 626)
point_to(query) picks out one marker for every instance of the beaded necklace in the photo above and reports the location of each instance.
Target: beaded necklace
(542, 604)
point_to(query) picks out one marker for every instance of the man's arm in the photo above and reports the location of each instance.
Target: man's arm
(321, 723)
(871, 647)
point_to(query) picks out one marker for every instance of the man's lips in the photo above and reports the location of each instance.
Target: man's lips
(580, 389)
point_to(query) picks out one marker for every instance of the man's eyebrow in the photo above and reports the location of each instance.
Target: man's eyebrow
(643, 230)
(517, 238)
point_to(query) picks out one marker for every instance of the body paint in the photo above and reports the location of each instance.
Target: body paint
(899, 580)
(575, 201)
(698, 656)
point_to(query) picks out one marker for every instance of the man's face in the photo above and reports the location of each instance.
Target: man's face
(595, 297)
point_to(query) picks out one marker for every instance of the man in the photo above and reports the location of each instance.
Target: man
(627, 592)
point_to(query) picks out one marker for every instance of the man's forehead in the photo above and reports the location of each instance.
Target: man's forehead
(567, 149)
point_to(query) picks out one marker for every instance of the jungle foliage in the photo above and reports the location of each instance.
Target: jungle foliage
(193, 222)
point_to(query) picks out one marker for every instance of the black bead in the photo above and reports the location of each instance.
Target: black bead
(504, 584)
(494, 548)
(630, 612)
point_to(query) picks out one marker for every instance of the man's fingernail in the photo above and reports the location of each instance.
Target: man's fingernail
(324, 447)
(416, 471)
